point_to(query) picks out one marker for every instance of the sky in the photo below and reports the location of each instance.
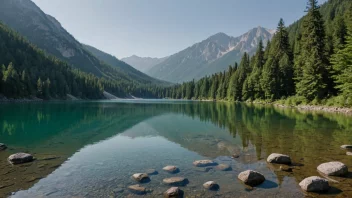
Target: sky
(159, 28)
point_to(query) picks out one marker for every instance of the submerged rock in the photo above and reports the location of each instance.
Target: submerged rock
(203, 163)
(286, 168)
(176, 181)
(349, 153)
(314, 184)
(20, 158)
(2, 147)
(346, 146)
(173, 192)
(223, 167)
(171, 169)
(277, 158)
(211, 185)
(141, 177)
(151, 172)
(333, 169)
(235, 156)
(251, 178)
(137, 189)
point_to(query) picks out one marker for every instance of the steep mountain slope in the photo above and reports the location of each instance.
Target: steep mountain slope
(48, 34)
(143, 64)
(120, 65)
(212, 55)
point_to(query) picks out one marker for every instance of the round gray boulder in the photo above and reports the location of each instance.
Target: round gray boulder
(314, 184)
(174, 192)
(251, 178)
(20, 158)
(349, 153)
(333, 169)
(277, 158)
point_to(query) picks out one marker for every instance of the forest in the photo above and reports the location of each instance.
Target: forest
(27, 72)
(309, 62)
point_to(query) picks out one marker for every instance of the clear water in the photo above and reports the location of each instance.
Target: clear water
(91, 149)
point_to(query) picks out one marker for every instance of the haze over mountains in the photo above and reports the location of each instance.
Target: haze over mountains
(48, 34)
(210, 56)
(143, 64)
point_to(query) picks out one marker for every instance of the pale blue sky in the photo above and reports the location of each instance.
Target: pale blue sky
(158, 28)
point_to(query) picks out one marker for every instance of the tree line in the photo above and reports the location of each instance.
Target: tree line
(305, 63)
(26, 71)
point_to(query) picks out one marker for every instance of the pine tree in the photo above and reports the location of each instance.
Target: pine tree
(342, 66)
(238, 79)
(252, 88)
(313, 62)
(39, 88)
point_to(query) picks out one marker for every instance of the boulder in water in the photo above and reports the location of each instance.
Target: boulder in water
(277, 158)
(211, 185)
(346, 146)
(173, 192)
(223, 167)
(204, 163)
(176, 181)
(20, 158)
(314, 184)
(333, 169)
(2, 147)
(137, 189)
(251, 178)
(141, 177)
(171, 169)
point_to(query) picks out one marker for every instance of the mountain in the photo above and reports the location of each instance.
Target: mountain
(212, 55)
(143, 64)
(47, 33)
(120, 65)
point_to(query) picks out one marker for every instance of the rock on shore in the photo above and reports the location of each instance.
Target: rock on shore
(20, 158)
(277, 158)
(251, 178)
(314, 184)
(333, 169)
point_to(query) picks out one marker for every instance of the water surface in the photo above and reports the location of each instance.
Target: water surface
(91, 149)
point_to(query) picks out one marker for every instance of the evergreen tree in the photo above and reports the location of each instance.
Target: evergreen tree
(238, 78)
(342, 66)
(312, 59)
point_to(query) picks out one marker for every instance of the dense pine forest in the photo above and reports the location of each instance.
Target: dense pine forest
(26, 72)
(309, 62)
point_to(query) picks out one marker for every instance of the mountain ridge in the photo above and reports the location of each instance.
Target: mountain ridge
(200, 59)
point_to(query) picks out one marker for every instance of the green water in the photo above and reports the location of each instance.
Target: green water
(91, 149)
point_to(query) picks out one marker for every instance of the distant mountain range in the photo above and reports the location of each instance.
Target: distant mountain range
(47, 33)
(143, 64)
(207, 57)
